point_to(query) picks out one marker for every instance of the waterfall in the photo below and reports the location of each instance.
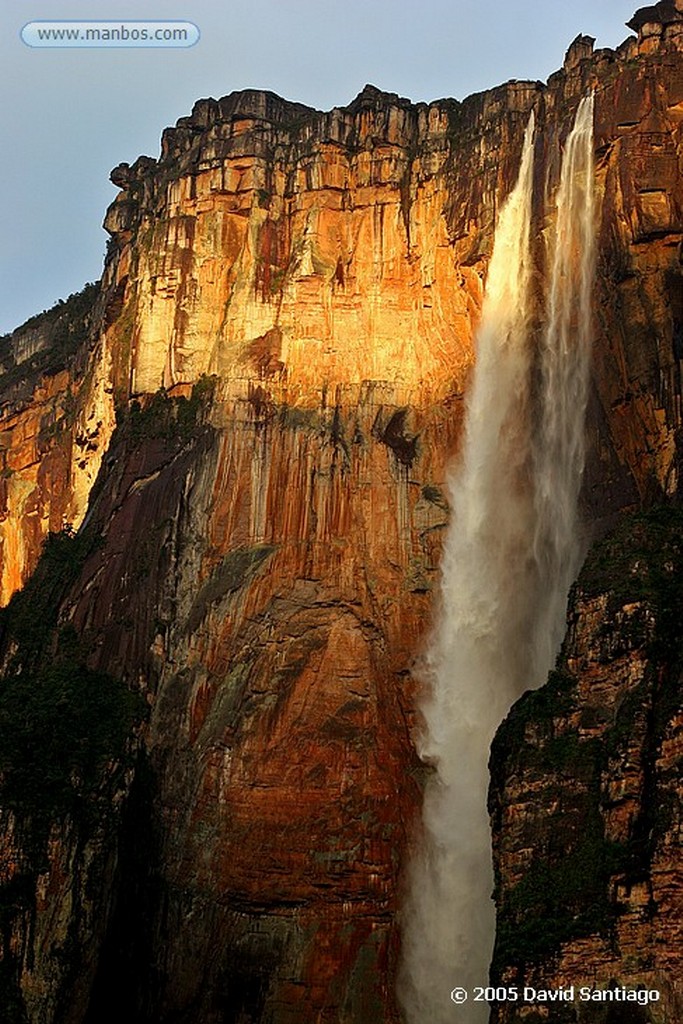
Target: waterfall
(559, 450)
(510, 554)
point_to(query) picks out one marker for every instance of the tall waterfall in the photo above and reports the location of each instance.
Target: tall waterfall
(559, 450)
(511, 552)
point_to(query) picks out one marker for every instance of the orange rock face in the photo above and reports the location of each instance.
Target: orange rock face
(277, 637)
(56, 421)
(318, 254)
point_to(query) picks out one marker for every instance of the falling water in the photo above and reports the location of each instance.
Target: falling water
(509, 558)
(559, 449)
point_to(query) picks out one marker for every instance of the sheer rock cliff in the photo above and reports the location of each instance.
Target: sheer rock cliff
(586, 793)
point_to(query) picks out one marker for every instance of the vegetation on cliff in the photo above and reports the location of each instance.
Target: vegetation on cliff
(167, 416)
(60, 722)
(63, 331)
(65, 737)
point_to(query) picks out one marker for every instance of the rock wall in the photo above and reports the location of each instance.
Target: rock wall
(586, 793)
(56, 420)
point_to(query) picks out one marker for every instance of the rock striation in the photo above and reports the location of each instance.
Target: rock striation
(586, 792)
(249, 422)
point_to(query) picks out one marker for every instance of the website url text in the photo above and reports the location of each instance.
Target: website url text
(109, 33)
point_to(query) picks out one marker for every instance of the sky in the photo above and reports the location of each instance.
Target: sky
(70, 115)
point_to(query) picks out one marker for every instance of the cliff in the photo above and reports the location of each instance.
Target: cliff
(251, 430)
(586, 793)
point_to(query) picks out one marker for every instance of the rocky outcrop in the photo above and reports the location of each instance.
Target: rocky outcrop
(56, 420)
(277, 243)
(283, 333)
(661, 23)
(586, 794)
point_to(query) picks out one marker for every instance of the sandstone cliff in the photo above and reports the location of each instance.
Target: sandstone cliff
(586, 792)
(264, 532)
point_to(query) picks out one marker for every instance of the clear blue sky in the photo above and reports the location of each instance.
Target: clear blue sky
(71, 115)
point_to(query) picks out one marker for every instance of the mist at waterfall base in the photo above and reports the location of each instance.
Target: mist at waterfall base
(512, 550)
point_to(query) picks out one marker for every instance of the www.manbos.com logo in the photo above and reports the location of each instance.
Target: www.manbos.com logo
(109, 33)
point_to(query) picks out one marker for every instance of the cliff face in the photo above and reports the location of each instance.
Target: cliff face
(55, 423)
(271, 241)
(305, 287)
(586, 794)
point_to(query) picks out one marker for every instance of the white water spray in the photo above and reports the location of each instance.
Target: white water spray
(510, 554)
(559, 449)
